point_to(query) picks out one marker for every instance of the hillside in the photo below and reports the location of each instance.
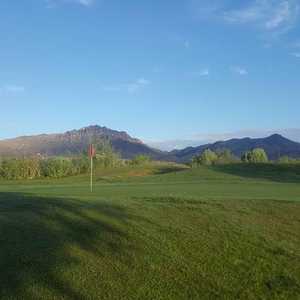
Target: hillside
(75, 142)
(274, 145)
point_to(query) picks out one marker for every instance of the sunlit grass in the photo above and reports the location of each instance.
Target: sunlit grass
(155, 232)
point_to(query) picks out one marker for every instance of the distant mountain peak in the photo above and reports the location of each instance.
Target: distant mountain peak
(103, 132)
(76, 141)
(276, 136)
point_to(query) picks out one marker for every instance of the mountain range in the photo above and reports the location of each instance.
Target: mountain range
(76, 141)
(275, 146)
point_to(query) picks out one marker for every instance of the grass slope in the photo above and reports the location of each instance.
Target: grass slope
(159, 232)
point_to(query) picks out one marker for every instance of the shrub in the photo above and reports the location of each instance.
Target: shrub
(20, 169)
(31, 168)
(56, 167)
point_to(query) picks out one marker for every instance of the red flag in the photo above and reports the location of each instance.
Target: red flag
(91, 151)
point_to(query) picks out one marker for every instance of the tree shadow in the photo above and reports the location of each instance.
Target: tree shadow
(287, 173)
(37, 233)
(170, 169)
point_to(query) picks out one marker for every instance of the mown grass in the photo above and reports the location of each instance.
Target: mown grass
(166, 233)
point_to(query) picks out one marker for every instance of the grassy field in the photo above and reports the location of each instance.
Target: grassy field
(157, 232)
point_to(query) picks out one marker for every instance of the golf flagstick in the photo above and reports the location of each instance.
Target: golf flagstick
(92, 153)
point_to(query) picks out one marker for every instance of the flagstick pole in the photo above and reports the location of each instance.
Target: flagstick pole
(91, 173)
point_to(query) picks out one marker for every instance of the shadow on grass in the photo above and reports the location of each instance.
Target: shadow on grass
(288, 173)
(39, 235)
(170, 169)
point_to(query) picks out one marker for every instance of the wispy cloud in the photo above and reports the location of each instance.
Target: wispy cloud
(201, 73)
(273, 16)
(11, 89)
(296, 54)
(53, 3)
(279, 15)
(204, 72)
(239, 70)
(137, 85)
(131, 87)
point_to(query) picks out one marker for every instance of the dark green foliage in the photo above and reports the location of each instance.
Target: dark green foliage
(288, 160)
(246, 156)
(284, 160)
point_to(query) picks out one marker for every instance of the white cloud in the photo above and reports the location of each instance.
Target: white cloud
(131, 87)
(275, 16)
(11, 89)
(296, 54)
(239, 70)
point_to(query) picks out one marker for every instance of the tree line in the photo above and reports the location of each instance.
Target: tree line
(225, 156)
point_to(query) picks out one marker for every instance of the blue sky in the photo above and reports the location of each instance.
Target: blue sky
(158, 69)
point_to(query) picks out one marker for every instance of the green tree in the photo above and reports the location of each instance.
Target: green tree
(207, 157)
(106, 157)
(257, 155)
(225, 156)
